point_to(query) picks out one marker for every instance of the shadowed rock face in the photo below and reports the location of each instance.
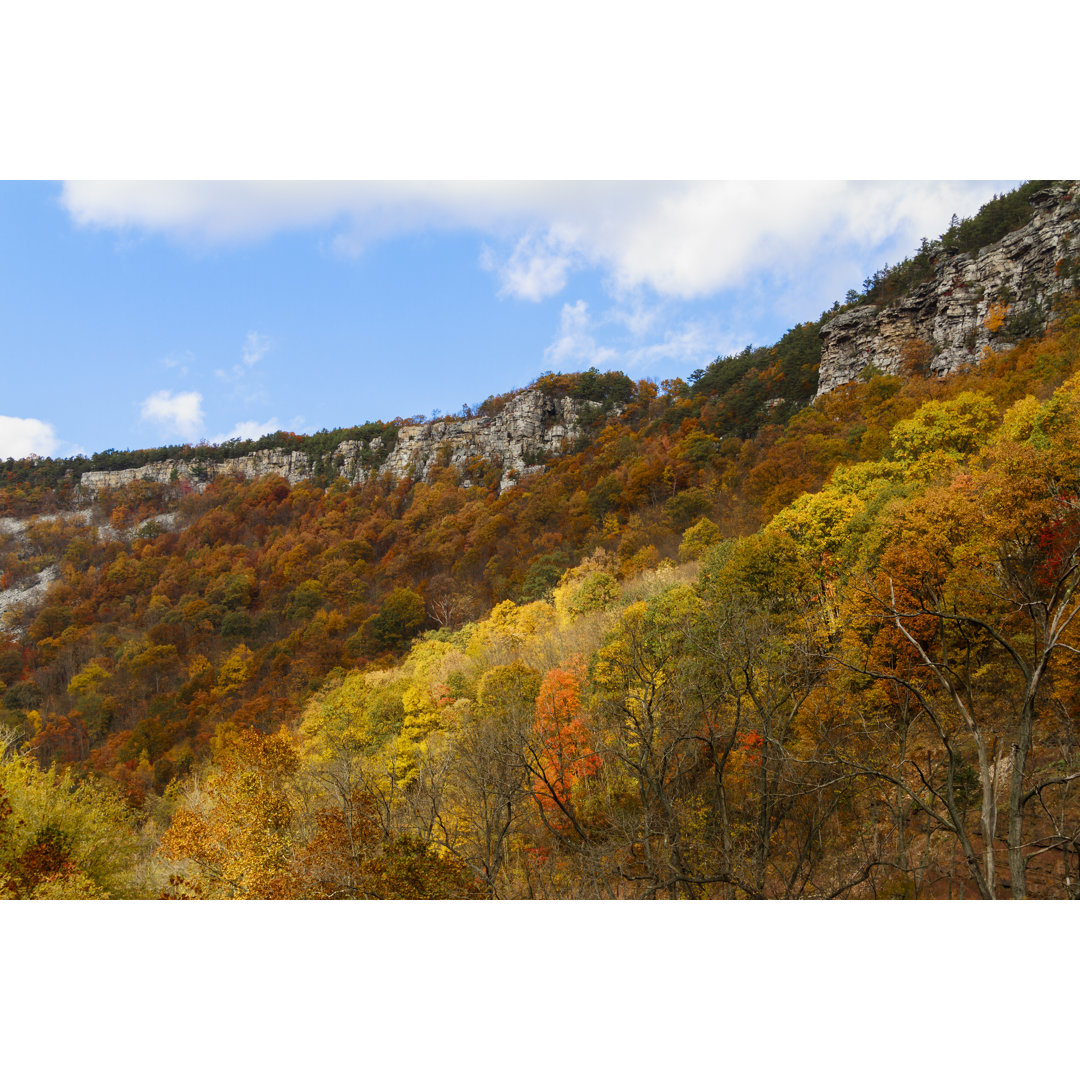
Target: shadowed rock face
(973, 301)
(532, 426)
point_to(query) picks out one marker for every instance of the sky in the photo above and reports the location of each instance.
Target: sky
(134, 314)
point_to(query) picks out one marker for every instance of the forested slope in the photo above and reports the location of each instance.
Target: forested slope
(732, 644)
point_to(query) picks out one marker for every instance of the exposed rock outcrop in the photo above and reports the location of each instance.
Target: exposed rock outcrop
(292, 464)
(530, 428)
(996, 296)
(26, 595)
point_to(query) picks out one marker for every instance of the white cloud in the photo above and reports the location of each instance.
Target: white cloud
(20, 437)
(639, 338)
(249, 429)
(575, 346)
(177, 412)
(538, 266)
(206, 211)
(680, 239)
(256, 346)
(681, 347)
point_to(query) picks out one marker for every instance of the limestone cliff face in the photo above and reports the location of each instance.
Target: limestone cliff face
(292, 464)
(990, 298)
(531, 427)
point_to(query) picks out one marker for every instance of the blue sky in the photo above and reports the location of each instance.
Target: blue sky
(136, 314)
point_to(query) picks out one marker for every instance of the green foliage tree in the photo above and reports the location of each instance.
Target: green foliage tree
(401, 616)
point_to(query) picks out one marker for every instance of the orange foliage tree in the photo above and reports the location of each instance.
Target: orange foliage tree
(560, 756)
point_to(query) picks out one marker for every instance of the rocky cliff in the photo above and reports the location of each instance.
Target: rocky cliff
(531, 427)
(992, 298)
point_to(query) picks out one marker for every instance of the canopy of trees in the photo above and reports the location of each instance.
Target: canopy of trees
(830, 650)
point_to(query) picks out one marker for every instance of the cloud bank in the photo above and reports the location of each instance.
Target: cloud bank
(682, 240)
(575, 346)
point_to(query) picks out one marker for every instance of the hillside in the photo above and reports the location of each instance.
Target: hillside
(751, 634)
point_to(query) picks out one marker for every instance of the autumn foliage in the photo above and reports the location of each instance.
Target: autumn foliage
(717, 649)
(562, 757)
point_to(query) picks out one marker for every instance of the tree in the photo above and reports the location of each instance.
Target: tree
(558, 756)
(486, 784)
(645, 726)
(235, 833)
(981, 607)
(956, 427)
(698, 538)
(450, 603)
(61, 838)
(758, 665)
(401, 616)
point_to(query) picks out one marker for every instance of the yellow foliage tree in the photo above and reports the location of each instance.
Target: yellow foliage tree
(235, 834)
(995, 316)
(698, 538)
(235, 671)
(957, 427)
(63, 838)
